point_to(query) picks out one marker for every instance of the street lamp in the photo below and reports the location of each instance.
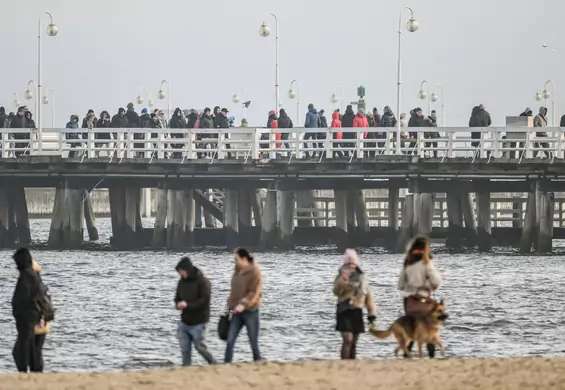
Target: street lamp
(45, 100)
(265, 31)
(422, 95)
(334, 98)
(546, 95)
(161, 95)
(411, 26)
(235, 98)
(16, 101)
(292, 94)
(28, 95)
(140, 98)
(51, 31)
(435, 98)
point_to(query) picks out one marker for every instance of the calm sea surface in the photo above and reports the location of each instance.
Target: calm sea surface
(115, 309)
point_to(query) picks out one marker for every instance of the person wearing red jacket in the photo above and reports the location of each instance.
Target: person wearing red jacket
(338, 135)
(361, 121)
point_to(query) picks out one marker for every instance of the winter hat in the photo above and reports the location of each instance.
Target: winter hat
(130, 105)
(272, 112)
(310, 106)
(350, 257)
(417, 109)
(185, 264)
(22, 257)
(321, 112)
(144, 111)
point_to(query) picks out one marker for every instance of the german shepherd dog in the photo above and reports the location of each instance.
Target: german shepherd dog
(422, 330)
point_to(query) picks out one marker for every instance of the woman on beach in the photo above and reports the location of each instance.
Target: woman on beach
(41, 329)
(418, 280)
(351, 288)
(244, 302)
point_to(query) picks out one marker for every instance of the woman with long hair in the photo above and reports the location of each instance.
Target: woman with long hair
(351, 288)
(418, 280)
(244, 302)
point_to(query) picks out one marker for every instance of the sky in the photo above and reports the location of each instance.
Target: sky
(483, 51)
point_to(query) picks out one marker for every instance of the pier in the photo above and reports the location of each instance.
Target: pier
(254, 189)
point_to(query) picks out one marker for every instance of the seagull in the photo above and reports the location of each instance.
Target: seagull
(547, 47)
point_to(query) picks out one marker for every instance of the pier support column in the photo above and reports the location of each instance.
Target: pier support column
(406, 223)
(159, 239)
(455, 217)
(360, 209)
(469, 218)
(6, 238)
(517, 214)
(67, 226)
(118, 214)
(423, 214)
(89, 217)
(269, 222)
(231, 220)
(209, 220)
(341, 226)
(257, 207)
(529, 226)
(56, 240)
(172, 214)
(132, 228)
(545, 221)
(146, 202)
(287, 219)
(484, 231)
(393, 197)
(197, 216)
(305, 199)
(244, 215)
(22, 217)
(189, 220)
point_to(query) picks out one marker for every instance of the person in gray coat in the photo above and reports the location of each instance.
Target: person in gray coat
(540, 120)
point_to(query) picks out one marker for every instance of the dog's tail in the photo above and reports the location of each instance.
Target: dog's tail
(381, 334)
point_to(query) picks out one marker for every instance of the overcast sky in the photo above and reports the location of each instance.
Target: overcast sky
(482, 51)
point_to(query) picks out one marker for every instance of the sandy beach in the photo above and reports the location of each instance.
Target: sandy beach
(492, 374)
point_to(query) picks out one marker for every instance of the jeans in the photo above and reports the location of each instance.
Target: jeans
(189, 335)
(24, 348)
(249, 319)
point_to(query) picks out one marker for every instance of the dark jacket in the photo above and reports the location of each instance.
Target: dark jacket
(206, 122)
(72, 124)
(177, 121)
(323, 121)
(417, 121)
(388, 119)
(431, 122)
(562, 121)
(133, 118)
(312, 119)
(284, 120)
(120, 122)
(192, 119)
(347, 121)
(144, 121)
(3, 117)
(484, 118)
(222, 121)
(196, 292)
(27, 294)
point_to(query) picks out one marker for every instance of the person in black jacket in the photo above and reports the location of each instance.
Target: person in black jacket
(25, 308)
(19, 122)
(416, 120)
(3, 118)
(285, 123)
(193, 300)
(177, 122)
(475, 121)
(347, 121)
(103, 122)
(322, 135)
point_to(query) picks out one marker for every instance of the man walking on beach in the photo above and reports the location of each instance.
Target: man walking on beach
(193, 300)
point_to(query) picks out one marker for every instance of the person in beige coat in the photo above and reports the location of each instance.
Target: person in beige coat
(351, 288)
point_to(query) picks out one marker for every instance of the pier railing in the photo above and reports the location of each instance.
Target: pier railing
(260, 143)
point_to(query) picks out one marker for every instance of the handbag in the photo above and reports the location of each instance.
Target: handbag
(418, 306)
(224, 326)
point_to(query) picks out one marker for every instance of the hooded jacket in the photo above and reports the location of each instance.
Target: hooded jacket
(360, 121)
(388, 119)
(120, 121)
(72, 124)
(336, 123)
(3, 117)
(177, 121)
(284, 120)
(196, 292)
(27, 294)
(348, 118)
(312, 119)
(133, 117)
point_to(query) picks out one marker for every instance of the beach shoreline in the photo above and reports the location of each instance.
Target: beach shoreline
(512, 373)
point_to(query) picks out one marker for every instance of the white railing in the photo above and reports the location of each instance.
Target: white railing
(260, 143)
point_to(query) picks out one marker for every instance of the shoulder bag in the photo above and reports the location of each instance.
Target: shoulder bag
(224, 325)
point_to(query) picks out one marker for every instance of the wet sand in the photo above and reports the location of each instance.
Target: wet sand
(492, 374)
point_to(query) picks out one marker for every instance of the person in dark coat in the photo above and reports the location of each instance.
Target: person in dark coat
(192, 299)
(312, 121)
(322, 134)
(26, 311)
(73, 136)
(222, 122)
(347, 121)
(285, 123)
(19, 122)
(3, 118)
(475, 121)
(416, 120)
(527, 112)
(192, 119)
(177, 122)
(104, 122)
(120, 120)
(431, 121)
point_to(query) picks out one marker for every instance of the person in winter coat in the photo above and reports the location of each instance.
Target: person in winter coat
(403, 130)
(120, 121)
(562, 121)
(3, 118)
(361, 121)
(272, 123)
(192, 119)
(527, 112)
(431, 121)
(370, 135)
(177, 122)
(133, 118)
(353, 293)
(312, 122)
(321, 136)
(192, 299)
(245, 298)
(419, 278)
(540, 120)
(104, 122)
(338, 135)
(19, 121)
(347, 122)
(89, 121)
(416, 120)
(387, 120)
(26, 310)
(377, 117)
(285, 123)
(73, 137)
(475, 121)
(40, 329)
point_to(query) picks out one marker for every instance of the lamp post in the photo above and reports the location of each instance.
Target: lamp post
(412, 26)
(334, 99)
(265, 31)
(292, 94)
(51, 31)
(161, 95)
(422, 95)
(546, 94)
(435, 98)
(140, 98)
(28, 95)
(45, 100)
(16, 101)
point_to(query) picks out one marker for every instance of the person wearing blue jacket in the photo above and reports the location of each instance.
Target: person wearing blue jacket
(312, 122)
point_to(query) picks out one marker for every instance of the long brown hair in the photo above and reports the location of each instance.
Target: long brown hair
(418, 250)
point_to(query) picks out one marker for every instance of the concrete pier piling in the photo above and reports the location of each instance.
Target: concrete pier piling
(189, 220)
(455, 218)
(116, 196)
(423, 214)
(360, 208)
(350, 217)
(19, 202)
(529, 226)
(231, 220)
(159, 238)
(470, 232)
(6, 236)
(179, 222)
(257, 207)
(269, 231)
(287, 219)
(341, 236)
(244, 215)
(89, 217)
(131, 236)
(67, 222)
(198, 216)
(544, 221)
(170, 220)
(484, 231)
(406, 223)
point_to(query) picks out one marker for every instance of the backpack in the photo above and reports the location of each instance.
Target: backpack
(46, 307)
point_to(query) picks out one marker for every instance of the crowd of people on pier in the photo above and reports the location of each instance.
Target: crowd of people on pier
(219, 118)
(33, 311)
